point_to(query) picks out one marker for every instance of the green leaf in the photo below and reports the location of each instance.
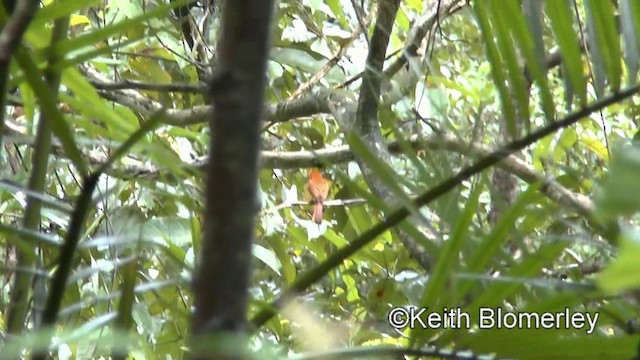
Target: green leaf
(50, 108)
(58, 9)
(630, 34)
(86, 100)
(382, 171)
(530, 266)
(620, 195)
(624, 272)
(129, 272)
(503, 21)
(447, 262)
(635, 11)
(300, 59)
(496, 61)
(268, 257)
(490, 244)
(92, 38)
(560, 18)
(551, 344)
(336, 9)
(532, 11)
(603, 20)
(597, 48)
(516, 22)
(282, 249)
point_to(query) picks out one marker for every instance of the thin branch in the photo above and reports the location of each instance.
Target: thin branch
(78, 218)
(393, 352)
(421, 28)
(326, 203)
(335, 59)
(138, 85)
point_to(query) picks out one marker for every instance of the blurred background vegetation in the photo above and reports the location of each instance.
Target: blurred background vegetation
(552, 226)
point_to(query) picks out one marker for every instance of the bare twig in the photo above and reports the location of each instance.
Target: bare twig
(329, 203)
(333, 61)
(138, 85)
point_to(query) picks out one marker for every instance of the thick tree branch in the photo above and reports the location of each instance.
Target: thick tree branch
(309, 105)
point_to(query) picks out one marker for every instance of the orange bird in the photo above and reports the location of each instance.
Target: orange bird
(318, 187)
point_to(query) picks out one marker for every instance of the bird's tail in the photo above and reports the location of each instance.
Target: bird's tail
(317, 213)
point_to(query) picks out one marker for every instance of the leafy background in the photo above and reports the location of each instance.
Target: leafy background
(551, 227)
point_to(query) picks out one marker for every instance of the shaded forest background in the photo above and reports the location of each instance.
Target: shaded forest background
(153, 187)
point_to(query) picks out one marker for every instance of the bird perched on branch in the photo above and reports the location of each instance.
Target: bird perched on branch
(318, 188)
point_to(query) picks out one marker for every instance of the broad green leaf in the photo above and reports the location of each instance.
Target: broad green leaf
(402, 20)
(619, 195)
(415, 5)
(336, 9)
(551, 344)
(86, 100)
(77, 59)
(173, 229)
(124, 320)
(302, 60)
(125, 9)
(624, 272)
(596, 146)
(28, 238)
(282, 248)
(268, 257)
(532, 11)
(635, 11)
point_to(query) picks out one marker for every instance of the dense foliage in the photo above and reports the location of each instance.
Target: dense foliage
(482, 159)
